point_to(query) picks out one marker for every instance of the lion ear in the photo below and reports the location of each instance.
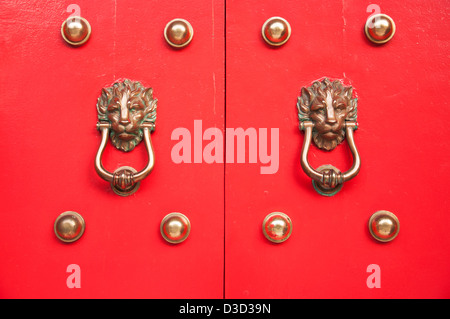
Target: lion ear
(303, 104)
(150, 102)
(102, 104)
(348, 92)
(306, 96)
(106, 94)
(147, 94)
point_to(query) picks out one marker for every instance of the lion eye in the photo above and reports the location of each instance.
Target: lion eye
(318, 107)
(320, 110)
(113, 108)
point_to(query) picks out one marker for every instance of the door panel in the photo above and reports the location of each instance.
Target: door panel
(50, 90)
(401, 138)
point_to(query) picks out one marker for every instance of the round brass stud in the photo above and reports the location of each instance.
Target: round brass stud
(175, 228)
(76, 30)
(69, 227)
(384, 226)
(178, 33)
(277, 227)
(276, 31)
(379, 28)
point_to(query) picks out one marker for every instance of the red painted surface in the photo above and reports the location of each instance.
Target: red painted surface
(403, 141)
(49, 143)
(49, 91)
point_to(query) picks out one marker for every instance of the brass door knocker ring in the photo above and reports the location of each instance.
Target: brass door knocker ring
(327, 112)
(127, 114)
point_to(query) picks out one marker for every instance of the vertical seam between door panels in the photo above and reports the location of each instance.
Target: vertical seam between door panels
(224, 134)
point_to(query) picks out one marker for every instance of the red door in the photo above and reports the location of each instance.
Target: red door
(50, 92)
(402, 140)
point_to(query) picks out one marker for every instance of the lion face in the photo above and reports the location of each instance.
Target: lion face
(126, 105)
(328, 105)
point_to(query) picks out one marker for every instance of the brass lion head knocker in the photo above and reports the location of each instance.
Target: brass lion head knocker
(127, 114)
(327, 112)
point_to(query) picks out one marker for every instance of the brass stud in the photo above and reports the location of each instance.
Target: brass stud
(384, 226)
(277, 227)
(69, 226)
(178, 33)
(175, 228)
(379, 28)
(76, 30)
(276, 31)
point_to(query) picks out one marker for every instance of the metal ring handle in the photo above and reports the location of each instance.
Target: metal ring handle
(125, 180)
(329, 179)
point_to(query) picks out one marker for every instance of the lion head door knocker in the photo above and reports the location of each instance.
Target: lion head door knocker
(327, 112)
(127, 114)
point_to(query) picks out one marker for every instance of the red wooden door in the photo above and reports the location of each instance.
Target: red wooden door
(50, 90)
(402, 139)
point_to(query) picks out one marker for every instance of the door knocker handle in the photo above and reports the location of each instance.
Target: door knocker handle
(127, 114)
(327, 112)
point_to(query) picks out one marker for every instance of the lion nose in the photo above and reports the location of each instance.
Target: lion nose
(124, 120)
(331, 121)
(331, 118)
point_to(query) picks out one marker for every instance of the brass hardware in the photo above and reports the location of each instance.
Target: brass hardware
(379, 28)
(277, 227)
(126, 113)
(175, 228)
(76, 30)
(330, 171)
(69, 227)
(327, 112)
(178, 33)
(276, 31)
(384, 226)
